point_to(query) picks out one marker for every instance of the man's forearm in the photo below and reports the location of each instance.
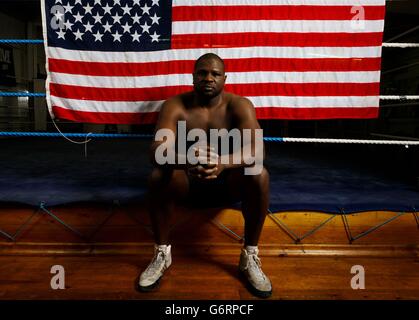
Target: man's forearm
(242, 158)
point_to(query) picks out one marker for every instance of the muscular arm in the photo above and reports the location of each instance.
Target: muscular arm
(170, 114)
(245, 118)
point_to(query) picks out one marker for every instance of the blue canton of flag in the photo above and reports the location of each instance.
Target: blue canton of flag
(109, 25)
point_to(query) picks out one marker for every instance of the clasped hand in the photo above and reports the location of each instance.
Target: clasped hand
(208, 166)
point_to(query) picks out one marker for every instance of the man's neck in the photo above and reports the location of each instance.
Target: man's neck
(205, 102)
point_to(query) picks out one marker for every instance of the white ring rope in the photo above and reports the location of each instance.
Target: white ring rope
(399, 97)
(400, 45)
(353, 141)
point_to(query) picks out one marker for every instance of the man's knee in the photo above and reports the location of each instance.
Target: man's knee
(157, 178)
(169, 182)
(260, 181)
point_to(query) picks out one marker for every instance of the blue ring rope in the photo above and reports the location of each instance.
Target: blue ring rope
(22, 94)
(74, 135)
(95, 135)
(22, 41)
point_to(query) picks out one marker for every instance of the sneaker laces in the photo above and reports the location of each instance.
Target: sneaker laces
(158, 260)
(256, 265)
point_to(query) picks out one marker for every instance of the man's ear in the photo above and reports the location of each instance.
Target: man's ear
(225, 78)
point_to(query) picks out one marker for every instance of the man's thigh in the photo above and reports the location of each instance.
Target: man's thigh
(171, 183)
(214, 192)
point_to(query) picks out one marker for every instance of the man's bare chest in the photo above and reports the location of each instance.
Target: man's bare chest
(205, 119)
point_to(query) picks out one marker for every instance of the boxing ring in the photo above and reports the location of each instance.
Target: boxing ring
(333, 176)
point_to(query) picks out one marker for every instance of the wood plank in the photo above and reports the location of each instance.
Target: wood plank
(207, 277)
(211, 249)
(129, 224)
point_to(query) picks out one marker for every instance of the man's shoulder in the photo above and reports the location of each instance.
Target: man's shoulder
(177, 103)
(237, 101)
(179, 99)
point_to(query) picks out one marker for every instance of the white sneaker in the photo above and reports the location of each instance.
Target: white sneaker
(162, 260)
(251, 268)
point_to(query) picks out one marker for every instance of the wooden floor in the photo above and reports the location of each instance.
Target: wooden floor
(205, 256)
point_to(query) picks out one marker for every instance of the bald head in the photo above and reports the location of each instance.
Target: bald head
(209, 56)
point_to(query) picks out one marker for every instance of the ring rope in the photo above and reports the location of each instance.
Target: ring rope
(74, 135)
(268, 139)
(344, 141)
(400, 45)
(21, 41)
(399, 97)
(23, 94)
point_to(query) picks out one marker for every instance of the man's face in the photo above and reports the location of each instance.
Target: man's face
(209, 78)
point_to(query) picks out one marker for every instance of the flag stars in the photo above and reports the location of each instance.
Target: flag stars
(78, 34)
(61, 34)
(136, 36)
(116, 36)
(136, 18)
(98, 36)
(98, 18)
(68, 25)
(116, 18)
(126, 27)
(145, 27)
(107, 27)
(78, 17)
(59, 15)
(88, 27)
(88, 9)
(146, 9)
(126, 9)
(107, 9)
(155, 19)
(68, 8)
(154, 37)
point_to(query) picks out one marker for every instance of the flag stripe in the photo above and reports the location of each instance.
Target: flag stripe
(263, 89)
(261, 113)
(178, 3)
(274, 12)
(107, 106)
(314, 114)
(225, 53)
(232, 65)
(234, 78)
(268, 39)
(105, 117)
(259, 101)
(291, 26)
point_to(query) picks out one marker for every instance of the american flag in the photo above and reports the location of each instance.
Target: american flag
(116, 61)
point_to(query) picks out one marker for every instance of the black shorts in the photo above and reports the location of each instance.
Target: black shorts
(210, 193)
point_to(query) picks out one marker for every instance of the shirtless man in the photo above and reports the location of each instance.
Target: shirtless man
(207, 107)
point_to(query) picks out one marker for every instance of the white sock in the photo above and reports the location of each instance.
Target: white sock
(251, 249)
